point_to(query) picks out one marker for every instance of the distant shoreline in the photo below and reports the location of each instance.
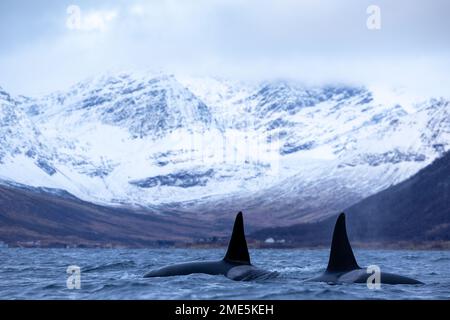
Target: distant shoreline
(422, 246)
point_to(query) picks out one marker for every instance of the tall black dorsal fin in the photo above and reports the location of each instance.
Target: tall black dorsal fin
(341, 254)
(237, 248)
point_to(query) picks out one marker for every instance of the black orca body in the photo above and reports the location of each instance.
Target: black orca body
(235, 265)
(342, 265)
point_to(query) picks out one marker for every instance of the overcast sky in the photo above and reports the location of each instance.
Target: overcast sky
(311, 40)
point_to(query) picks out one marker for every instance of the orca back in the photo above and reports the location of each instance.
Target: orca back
(237, 248)
(342, 258)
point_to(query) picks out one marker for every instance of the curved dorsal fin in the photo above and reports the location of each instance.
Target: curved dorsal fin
(237, 248)
(341, 254)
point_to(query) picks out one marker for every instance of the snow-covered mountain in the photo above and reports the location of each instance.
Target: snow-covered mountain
(280, 148)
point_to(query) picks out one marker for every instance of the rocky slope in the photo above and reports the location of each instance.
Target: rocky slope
(414, 211)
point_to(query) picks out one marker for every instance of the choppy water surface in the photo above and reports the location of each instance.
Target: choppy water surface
(118, 274)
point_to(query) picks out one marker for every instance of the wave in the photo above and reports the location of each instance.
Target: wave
(110, 266)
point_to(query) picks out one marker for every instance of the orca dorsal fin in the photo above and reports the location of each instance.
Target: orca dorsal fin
(341, 253)
(237, 247)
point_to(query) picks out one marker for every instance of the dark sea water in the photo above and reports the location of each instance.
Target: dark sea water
(118, 274)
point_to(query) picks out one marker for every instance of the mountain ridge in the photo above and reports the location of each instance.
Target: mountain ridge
(215, 145)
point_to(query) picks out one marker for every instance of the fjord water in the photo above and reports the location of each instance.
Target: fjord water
(118, 274)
